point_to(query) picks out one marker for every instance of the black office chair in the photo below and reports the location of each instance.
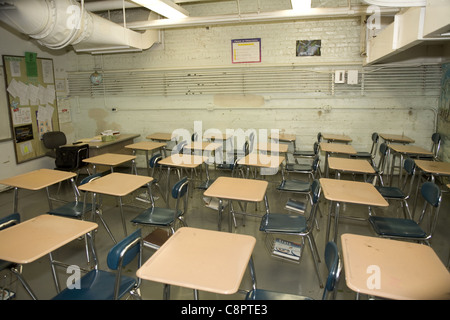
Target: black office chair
(53, 140)
(70, 158)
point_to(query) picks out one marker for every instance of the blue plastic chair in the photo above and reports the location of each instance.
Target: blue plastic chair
(332, 262)
(7, 222)
(107, 285)
(165, 217)
(310, 169)
(368, 155)
(294, 224)
(408, 229)
(77, 209)
(307, 153)
(401, 194)
(379, 168)
(436, 140)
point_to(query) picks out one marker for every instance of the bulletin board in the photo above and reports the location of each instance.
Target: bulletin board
(31, 103)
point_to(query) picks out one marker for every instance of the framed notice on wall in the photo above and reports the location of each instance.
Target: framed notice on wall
(31, 103)
(246, 50)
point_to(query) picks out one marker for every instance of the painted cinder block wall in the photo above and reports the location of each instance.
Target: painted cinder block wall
(210, 46)
(305, 116)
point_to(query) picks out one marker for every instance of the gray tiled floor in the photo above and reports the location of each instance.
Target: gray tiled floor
(271, 273)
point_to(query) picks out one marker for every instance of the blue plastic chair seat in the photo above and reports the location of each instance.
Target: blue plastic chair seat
(362, 154)
(298, 167)
(294, 186)
(226, 166)
(97, 285)
(280, 222)
(71, 209)
(390, 192)
(397, 227)
(157, 216)
(260, 294)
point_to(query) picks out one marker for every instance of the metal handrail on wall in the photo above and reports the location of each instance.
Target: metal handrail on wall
(422, 80)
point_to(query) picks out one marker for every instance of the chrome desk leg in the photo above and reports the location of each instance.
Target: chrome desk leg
(16, 199)
(23, 282)
(50, 205)
(55, 278)
(122, 217)
(166, 292)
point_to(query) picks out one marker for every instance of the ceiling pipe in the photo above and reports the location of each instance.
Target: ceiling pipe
(57, 24)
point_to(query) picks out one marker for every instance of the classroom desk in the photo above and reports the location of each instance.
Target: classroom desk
(185, 161)
(285, 137)
(406, 270)
(205, 147)
(201, 259)
(262, 161)
(402, 151)
(117, 185)
(97, 147)
(355, 192)
(37, 180)
(111, 160)
(336, 138)
(275, 148)
(395, 138)
(360, 166)
(160, 137)
(337, 148)
(163, 138)
(227, 142)
(227, 188)
(146, 146)
(34, 238)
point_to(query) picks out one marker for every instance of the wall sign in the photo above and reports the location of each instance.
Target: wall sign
(246, 50)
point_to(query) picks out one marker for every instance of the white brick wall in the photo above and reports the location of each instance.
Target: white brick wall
(201, 46)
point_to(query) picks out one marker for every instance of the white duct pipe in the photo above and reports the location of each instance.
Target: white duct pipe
(60, 23)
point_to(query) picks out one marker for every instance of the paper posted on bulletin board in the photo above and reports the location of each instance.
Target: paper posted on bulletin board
(32, 103)
(246, 50)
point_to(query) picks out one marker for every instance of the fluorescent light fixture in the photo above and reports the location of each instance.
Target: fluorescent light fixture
(301, 4)
(165, 8)
(397, 3)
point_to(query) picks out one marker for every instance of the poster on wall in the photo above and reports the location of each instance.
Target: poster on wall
(308, 48)
(246, 50)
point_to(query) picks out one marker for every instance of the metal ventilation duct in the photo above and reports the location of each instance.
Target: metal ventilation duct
(59, 23)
